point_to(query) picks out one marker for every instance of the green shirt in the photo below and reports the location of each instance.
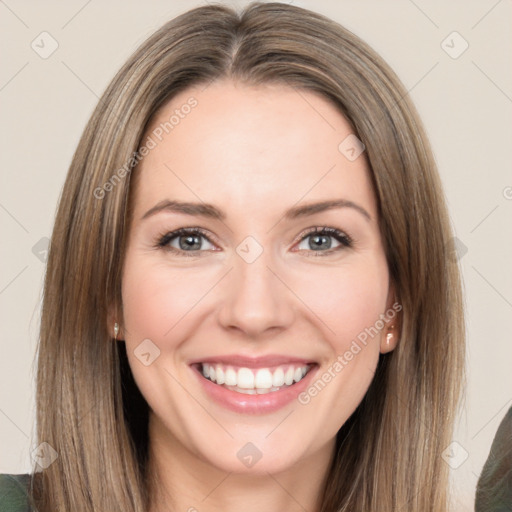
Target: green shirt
(13, 493)
(494, 489)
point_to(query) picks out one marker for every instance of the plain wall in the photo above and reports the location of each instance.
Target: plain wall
(465, 103)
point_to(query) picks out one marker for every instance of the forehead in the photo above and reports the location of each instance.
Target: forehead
(250, 147)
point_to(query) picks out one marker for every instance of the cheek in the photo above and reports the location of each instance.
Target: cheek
(160, 304)
(348, 299)
(157, 299)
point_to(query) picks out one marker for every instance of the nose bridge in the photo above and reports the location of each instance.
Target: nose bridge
(252, 261)
(255, 299)
(255, 278)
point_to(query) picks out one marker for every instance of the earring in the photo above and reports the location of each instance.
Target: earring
(116, 330)
(389, 336)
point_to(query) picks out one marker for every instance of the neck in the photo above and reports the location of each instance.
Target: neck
(180, 481)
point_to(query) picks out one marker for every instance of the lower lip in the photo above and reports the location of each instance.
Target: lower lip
(254, 404)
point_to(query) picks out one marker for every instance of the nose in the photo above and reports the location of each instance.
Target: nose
(256, 298)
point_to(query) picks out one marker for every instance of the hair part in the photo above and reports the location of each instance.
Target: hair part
(88, 406)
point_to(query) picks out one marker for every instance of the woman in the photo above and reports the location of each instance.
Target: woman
(251, 299)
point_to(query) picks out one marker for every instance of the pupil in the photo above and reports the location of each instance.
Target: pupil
(191, 242)
(318, 240)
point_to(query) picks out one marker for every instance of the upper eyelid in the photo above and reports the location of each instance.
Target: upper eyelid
(322, 229)
(194, 230)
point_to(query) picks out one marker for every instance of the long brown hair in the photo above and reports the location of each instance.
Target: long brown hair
(388, 454)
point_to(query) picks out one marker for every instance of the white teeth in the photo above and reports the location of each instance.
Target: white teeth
(230, 377)
(278, 378)
(252, 381)
(245, 378)
(263, 379)
(219, 372)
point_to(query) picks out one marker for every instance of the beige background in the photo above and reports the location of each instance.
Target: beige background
(465, 102)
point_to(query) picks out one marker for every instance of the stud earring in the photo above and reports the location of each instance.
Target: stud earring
(116, 330)
(389, 337)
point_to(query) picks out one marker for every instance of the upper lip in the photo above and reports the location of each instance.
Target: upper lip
(253, 362)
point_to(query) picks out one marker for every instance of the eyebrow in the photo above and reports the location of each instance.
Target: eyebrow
(212, 212)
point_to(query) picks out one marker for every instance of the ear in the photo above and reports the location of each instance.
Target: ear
(392, 323)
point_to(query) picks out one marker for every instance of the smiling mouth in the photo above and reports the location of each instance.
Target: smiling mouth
(254, 381)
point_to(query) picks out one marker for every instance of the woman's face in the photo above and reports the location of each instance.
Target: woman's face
(286, 323)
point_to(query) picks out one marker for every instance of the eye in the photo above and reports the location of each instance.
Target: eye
(183, 240)
(319, 240)
(324, 240)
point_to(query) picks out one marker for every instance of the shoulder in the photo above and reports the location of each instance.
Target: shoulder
(494, 488)
(13, 493)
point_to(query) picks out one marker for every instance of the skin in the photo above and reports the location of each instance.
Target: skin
(253, 152)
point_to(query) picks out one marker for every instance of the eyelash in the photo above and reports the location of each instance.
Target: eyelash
(344, 240)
